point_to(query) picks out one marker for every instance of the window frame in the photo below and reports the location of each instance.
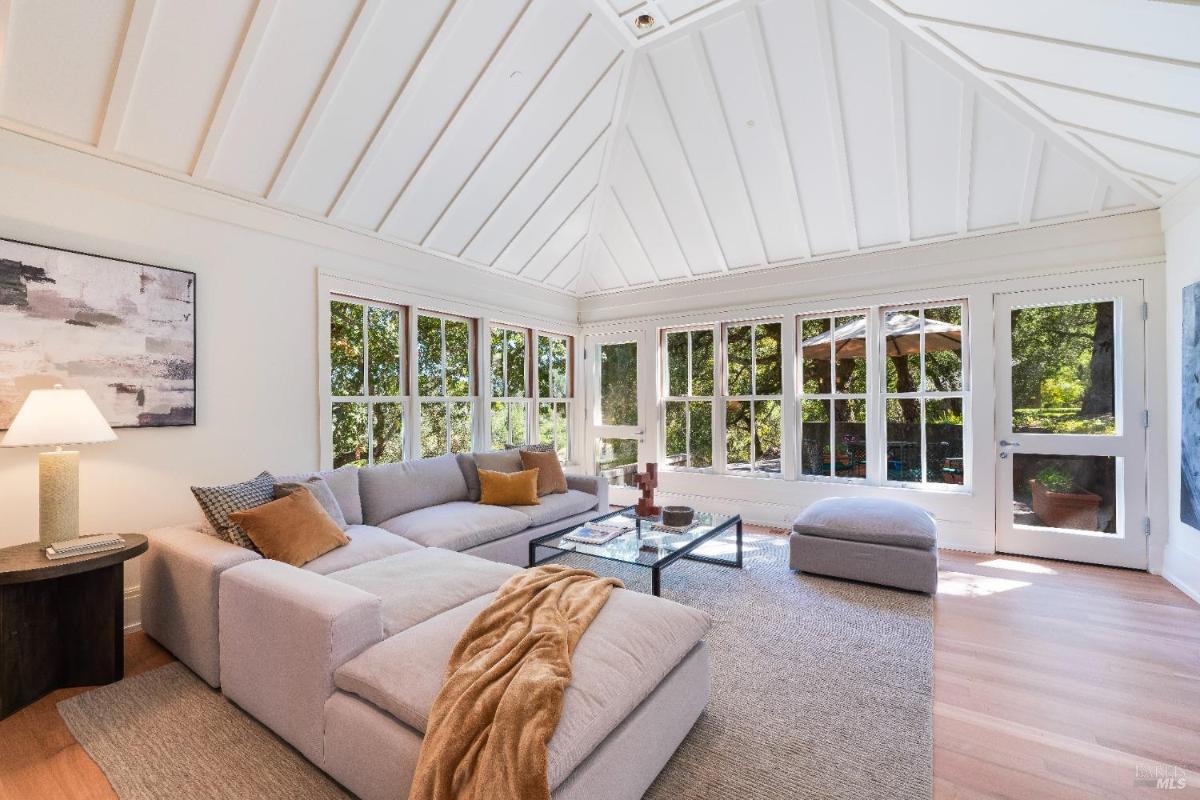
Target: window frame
(753, 398)
(567, 400)
(665, 397)
(404, 398)
(922, 396)
(472, 398)
(525, 401)
(833, 396)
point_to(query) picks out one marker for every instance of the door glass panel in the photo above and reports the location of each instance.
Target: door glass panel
(1063, 369)
(618, 384)
(617, 461)
(1073, 492)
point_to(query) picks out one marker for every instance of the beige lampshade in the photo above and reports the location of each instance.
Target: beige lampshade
(55, 417)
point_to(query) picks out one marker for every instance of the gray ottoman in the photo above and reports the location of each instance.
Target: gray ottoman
(888, 542)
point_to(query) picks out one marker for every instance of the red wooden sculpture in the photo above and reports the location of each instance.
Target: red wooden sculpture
(648, 481)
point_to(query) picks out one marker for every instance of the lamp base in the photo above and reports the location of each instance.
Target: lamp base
(58, 496)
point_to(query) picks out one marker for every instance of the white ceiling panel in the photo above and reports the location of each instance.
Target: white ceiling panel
(1142, 159)
(301, 39)
(391, 40)
(1001, 149)
(187, 56)
(554, 142)
(59, 62)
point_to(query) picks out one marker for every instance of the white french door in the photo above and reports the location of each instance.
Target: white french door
(614, 405)
(1070, 425)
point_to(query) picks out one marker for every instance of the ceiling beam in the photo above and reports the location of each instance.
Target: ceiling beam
(137, 31)
(329, 87)
(252, 41)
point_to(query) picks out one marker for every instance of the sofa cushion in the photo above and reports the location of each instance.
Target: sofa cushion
(343, 482)
(366, 544)
(551, 479)
(218, 502)
(389, 490)
(876, 520)
(420, 584)
(631, 645)
(554, 507)
(457, 526)
(319, 488)
(470, 471)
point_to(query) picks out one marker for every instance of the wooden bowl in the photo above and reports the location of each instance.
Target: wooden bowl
(678, 516)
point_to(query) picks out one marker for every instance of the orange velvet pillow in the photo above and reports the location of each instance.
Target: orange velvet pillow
(508, 488)
(551, 479)
(293, 529)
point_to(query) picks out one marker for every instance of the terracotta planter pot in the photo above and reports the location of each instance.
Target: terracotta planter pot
(1075, 510)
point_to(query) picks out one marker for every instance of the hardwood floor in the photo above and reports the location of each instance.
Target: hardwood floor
(1052, 680)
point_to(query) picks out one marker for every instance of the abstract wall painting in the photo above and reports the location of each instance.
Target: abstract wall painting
(1189, 449)
(125, 332)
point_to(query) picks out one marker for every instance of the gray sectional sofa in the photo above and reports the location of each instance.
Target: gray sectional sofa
(390, 509)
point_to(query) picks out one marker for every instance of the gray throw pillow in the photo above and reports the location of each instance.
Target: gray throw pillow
(500, 461)
(319, 488)
(218, 502)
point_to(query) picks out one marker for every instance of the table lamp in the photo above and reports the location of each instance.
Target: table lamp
(56, 417)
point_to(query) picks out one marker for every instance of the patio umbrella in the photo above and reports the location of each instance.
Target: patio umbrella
(903, 332)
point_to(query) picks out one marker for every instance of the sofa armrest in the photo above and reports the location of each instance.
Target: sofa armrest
(592, 484)
(284, 632)
(180, 574)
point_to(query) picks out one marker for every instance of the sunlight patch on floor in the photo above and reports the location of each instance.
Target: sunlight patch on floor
(963, 584)
(1017, 566)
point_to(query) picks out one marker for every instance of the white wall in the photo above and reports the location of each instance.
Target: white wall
(1079, 253)
(1181, 227)
(257, 404)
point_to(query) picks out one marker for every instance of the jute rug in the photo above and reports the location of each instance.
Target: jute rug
(821, 689)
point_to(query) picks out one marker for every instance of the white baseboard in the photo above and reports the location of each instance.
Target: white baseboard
(1182, 568)
(133, 609)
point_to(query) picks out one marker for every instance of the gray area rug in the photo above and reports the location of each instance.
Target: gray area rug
(821, 689)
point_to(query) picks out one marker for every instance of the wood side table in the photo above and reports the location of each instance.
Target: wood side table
(62, 623)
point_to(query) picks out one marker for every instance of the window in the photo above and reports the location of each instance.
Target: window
(833, 396)
(688, 371)
(444, 383)
(554, 391)
(923, 393)
(754, 397)
(367, 382)
(510, 404)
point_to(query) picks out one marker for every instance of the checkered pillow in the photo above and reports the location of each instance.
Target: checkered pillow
(538, 448)
(218, 502)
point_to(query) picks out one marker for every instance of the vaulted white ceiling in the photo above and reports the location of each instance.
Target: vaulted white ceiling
(555, 142)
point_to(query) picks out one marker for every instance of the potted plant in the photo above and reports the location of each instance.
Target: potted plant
(1060, 502)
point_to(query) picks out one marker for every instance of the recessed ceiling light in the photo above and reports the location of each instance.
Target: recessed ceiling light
(643, 22)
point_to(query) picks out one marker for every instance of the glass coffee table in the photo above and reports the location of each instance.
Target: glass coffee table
(648, 544)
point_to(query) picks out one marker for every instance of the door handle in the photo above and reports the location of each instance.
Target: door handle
(1005, 443)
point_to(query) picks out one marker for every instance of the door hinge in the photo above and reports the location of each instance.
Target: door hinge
(1146, 525)
(1145, 311)
(1146, 418)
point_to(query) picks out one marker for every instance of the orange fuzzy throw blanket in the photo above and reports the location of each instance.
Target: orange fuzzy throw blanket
(503, 693)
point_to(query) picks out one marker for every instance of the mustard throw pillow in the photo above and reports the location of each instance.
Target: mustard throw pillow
(293, 529)
(551, 479)
(508, 488)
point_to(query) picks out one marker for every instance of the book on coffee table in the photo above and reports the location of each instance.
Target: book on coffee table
(601, 532)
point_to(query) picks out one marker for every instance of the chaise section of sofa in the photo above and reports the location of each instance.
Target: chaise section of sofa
(352, 682)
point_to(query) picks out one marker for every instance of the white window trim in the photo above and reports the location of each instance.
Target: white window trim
(831, 398)
(665, 397)
(445, 400)
(725, 398)
(880, 351)
(525, 401)
(535, 431)
(403, 399)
